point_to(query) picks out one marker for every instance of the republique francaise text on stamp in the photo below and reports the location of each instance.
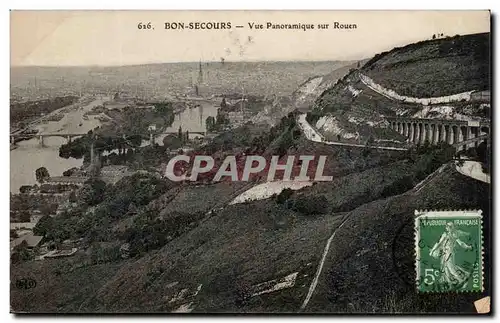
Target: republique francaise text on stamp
(449, 247)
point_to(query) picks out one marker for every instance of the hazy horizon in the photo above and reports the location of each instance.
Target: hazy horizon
(191, 62)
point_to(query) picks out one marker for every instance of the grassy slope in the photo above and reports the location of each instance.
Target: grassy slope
(62, 284)
(370, 267)
(251, 243)
(435, 67)
(242, 246)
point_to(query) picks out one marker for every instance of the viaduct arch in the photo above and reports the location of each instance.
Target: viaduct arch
(453, 132)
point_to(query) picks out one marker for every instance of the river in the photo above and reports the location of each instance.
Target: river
(28, 156)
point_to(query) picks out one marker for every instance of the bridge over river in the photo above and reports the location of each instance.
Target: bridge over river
(16, 137)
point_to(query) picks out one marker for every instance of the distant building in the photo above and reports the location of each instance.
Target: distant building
(22, 225)
(142, 106)
(113, 173)
(34, 218)
(239, 117)
(76, 180)
(32, 241)
(116, 105)
(114, 170)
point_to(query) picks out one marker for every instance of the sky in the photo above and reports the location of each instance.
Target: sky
(112, 38)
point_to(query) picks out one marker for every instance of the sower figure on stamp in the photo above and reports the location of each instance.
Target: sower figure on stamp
(451, 273)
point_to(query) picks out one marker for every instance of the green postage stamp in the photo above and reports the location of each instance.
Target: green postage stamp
(449, 251)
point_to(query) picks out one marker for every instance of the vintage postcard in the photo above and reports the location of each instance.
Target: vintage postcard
(250, 162)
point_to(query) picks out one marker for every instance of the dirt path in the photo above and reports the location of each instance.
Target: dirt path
(314, 282)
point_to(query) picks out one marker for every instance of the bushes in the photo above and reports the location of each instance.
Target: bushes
(398, 187)
(149, 233)
(431, 158)
(92, 193)
(70, 171)
(21, 253)
(311, 205)
(285, 194)
(44, 225)
(305, 204)
(104, 255)
(111, 203)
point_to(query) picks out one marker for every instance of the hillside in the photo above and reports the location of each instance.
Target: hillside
(371, 265)
(218, 265)
(397, 83)
(303, 96)
(185, 259)
(434, 68)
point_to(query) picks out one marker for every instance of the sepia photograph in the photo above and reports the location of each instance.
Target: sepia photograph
(247, 162)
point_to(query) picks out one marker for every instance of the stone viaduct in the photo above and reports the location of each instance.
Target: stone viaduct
(453, 132)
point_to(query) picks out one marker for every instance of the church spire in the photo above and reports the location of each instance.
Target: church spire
(200, 74)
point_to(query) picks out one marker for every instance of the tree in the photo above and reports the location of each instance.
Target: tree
(24, 216)
(25, 188)
(44, 226)
(21, 253)
(370, 141)
(92, 192)
(180, 133)
(13, 234)
(166, 112)
(72, 197)
(210, 123)
(48, 208)
(434, 36)
(42, 174)
(284, 195)
(70, 171)
(172, 142)
(221, 118)
(223, 104)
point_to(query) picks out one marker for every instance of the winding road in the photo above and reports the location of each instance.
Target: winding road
(313, 135)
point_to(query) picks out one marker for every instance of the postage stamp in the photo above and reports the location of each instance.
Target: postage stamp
(449, 246)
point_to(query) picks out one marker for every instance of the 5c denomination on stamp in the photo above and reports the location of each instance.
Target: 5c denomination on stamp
(449, 248)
